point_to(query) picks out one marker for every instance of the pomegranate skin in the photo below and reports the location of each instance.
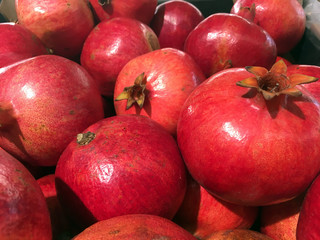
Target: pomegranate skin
(51, 99)
(61, 25)
(18, 43)
(285, 21)
(132, 160)
(171, 75)
(308, 222)
(135, 227)
(225, 40)
(111, 44)
(173, 21)
(233, 140)
(23, 210)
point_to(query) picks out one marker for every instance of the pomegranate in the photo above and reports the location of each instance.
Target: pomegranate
(23, 210)
(173, 21)
(18, 43)
(237, 234)
(233, 139)
(130, 159)
(158, 82)
(135, 227)
(225, 40)
(61, 25)
(202, 214)
(111, 44)
(285, 21)
(142, 10)
(45, 101)
(279, 221)
(308, 222)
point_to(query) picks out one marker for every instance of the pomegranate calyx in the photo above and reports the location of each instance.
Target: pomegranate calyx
(104, 2)
(7, 115)
(275, 82)
(134, 93)
(248, 13)
(85, 138)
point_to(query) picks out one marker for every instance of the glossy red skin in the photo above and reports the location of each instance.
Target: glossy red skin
(61, 25)
(135, 227)
(225, 37)
(23, 210)
(61, 225)
(132, 160)
(111, 45)
(309, 219)
(18, 43)
(284, 21)
(142, 10)
(279, 221)
(237, 234)
(310, 70)
(202, 214)
(171, 77)
(173, 21)
(53, 99)
(246, 150)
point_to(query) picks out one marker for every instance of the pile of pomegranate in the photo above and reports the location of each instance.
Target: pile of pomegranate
(127, 119)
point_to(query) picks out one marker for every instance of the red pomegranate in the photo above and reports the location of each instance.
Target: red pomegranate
(225, 40)
(121, 165)
(202, 214)
(111, 44)
(61, 25)
(45, 101)
(18, 43)
(285, 20)
(234, 139)
(173, 21)
(135, 227)
(142, 10)
(237, 234)
(156, 85)
(23, 210)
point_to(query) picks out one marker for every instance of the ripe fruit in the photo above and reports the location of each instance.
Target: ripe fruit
(23, 209)
(202, 214)
(45, 101)
(142, 10)
(110, 45)
(233, 139)
(225, 40)
(135, 227)
(237, 234)
(18, 43)
(61, 25)
(130, 159)
(285, 21)
(156, 85)
(173, 21)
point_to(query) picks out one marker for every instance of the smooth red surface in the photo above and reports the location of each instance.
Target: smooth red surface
(142, 10)
(53, 99)
(284, 21)
(61, 25)
(173, 21)
(245, 149)
(131, 166)
(309, 219)
(111, 45)
(18, 43)
(279, 221)
(310, 70)
(171, 76)
(203, 214)
(23, 209)
(223, 37)
(135, 227)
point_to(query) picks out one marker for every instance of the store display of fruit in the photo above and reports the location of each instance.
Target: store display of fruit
(159, 119)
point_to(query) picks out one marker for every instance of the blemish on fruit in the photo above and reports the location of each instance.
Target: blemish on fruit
(92, 56)
(85, 138)
(113, 232)
(72, 112)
